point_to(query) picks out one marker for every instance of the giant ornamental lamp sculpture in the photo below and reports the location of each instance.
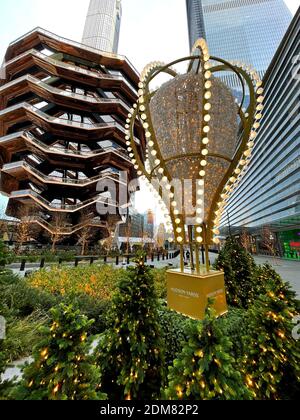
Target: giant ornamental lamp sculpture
(199, 135)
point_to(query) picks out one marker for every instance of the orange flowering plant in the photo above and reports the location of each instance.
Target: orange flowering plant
(98, 282)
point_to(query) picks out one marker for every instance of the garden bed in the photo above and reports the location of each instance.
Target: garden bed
(251, 353)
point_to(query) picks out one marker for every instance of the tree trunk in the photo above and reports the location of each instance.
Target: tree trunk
(18, 248)
(54, 240)
(83, 247)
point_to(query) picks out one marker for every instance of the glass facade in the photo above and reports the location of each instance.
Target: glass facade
(269, 194)
(138, 225)
(134, 226)
(245, 30)
(195, 21)
(102, 27)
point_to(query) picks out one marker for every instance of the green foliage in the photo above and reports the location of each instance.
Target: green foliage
(265, 275)
(22, 334)
(3, 352)
(160, 282)
(235, 325)
(140, 338)
(5, 256)
(7, 277)
(239, 268)
(272, 356)
(93, 309)
(205, 368)
(130, 353)
(3, 360)
(25, 312)
(174, 328)
(5, 386)
(23, 300)
(62, 368)
(49, 256)
(67, 256)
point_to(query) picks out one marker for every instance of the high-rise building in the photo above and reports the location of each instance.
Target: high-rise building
(245, 30)
(195, 21)
(102, 26)
(133, 227)
(149, 224)
(269, 194)
(138, 229)
(63, 111)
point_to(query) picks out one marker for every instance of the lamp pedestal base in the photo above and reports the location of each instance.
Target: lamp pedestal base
(188, 292)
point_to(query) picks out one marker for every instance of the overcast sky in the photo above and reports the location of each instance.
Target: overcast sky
(151, 29)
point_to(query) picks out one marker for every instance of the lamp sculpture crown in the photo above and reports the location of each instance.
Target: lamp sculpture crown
(199, 142)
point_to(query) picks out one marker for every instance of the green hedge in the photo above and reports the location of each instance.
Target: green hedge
(173, 326)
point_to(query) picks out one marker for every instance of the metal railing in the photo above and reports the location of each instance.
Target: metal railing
(62, 121)
(65, 93)
(66, 230)
(166, 257)
(58, 120)
(30, 138)
(63, 207)
(77, 45)
(72, 67)
(59, 180)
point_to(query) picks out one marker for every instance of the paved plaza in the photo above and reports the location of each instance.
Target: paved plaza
(288, 270)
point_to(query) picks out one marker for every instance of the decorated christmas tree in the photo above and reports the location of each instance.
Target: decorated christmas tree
(266, 276)
(62, 368)
(130, 354)
(205, 370)
(272, 355)
(239, 268)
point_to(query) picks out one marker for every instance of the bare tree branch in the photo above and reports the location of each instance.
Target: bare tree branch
(58, 222)
(87, 232)
(23, 233)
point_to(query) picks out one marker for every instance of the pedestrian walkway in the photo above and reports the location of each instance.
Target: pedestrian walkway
(14, 372)
(287, 269)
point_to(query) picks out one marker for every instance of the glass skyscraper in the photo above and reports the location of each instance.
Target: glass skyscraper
(269, 194)
(245, 30)
(261, 33)
(195, 21)
(102, 26)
